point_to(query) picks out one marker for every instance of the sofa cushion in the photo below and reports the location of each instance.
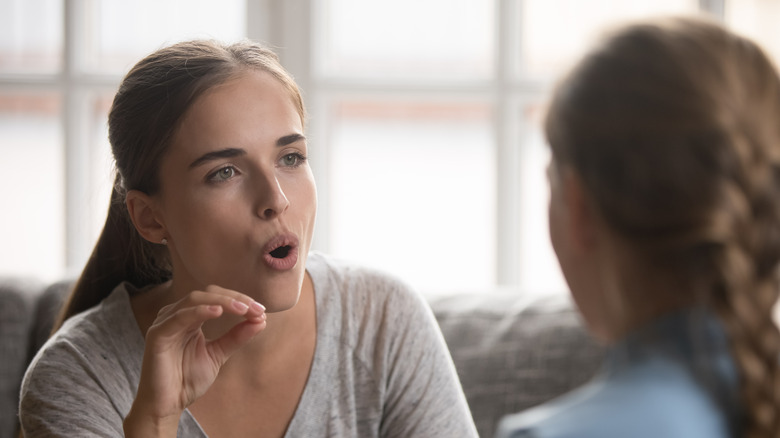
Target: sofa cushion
(513, 351)
(17, 303)
(46, 310)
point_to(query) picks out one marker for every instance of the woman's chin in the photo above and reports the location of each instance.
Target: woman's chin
(278, 296)
(279, 304)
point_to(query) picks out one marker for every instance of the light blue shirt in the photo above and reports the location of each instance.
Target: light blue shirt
(673, 378)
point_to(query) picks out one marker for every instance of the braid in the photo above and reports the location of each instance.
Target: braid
(744, 303)
(749, 266)
(747, 292)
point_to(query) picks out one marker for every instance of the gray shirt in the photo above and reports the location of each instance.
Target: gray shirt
(380, 367)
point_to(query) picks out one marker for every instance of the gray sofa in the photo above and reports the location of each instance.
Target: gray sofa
(511, 351)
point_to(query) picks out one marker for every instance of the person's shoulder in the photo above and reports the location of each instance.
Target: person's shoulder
(91, 325)
(65, 356)
(556, 417)
(85, 340)
(92, 364)
(665, 389)
(655, 398)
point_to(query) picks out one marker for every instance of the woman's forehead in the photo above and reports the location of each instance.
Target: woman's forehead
(254, 107)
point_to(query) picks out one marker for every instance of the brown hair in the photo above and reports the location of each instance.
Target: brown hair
(674, 127)
(144, 116)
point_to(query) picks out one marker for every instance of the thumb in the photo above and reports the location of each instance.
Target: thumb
(223, 347)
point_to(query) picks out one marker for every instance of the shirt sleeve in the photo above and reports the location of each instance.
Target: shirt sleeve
(424, 397)
(61, 396)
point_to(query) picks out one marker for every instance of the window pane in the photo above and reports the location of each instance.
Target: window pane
(100, 164)
(127, 31)
(553, 32)
(413, 191)
(32, 229)
(757, 19)
(450, 39)
(30, 36)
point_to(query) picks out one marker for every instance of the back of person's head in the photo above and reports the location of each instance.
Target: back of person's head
(673, 127)
(147, 109)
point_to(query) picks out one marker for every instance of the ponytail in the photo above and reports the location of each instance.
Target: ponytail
(121, 254)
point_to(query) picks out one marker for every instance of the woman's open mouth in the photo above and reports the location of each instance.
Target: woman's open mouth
(281, 252)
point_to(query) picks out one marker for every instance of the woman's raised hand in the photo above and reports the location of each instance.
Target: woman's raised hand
(180, 364)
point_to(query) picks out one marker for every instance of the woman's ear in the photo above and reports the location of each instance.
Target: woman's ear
(581, 211)
(146, 219)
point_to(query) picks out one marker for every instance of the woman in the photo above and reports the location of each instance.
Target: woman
(205, 257)
(665, 218)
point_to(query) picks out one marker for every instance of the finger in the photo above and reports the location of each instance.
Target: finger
(231, 301)
(254, 308)
(183, 321)
(236, 337)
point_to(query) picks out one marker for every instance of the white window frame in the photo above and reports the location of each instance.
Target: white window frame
(289, 27)
(293, 31)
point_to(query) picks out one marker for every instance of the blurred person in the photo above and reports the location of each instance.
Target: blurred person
(201, 311)
(665, 217)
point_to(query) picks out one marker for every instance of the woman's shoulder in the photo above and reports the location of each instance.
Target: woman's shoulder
(99, 338)
(92, 364)
(100, 323)
(655, 398)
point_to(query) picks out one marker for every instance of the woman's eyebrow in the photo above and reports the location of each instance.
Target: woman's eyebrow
(214, 155)
(234, 152)
(289, 139)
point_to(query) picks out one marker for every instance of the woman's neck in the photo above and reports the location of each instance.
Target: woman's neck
(280, 328)
(635, 288)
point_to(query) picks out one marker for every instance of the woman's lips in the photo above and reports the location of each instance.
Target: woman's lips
(281, 252)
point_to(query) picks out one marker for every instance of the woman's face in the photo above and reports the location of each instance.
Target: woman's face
(572, 238)
(238, 199)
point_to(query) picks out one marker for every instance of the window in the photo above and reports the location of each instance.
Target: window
(756, 19)
(412, 188)
(32, 181)
(30, 36)
(426, 113)
(423, 120)
(408, 39)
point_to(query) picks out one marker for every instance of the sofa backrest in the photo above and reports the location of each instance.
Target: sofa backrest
(17, 314)
(27, 311)
(514, 350)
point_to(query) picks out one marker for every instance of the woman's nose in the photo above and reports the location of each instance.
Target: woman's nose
(271, 198)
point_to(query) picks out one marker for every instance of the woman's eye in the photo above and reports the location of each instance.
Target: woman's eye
(223, 174)
(293, 160)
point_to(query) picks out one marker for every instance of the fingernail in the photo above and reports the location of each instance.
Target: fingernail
(241, 307)
(257, 307)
